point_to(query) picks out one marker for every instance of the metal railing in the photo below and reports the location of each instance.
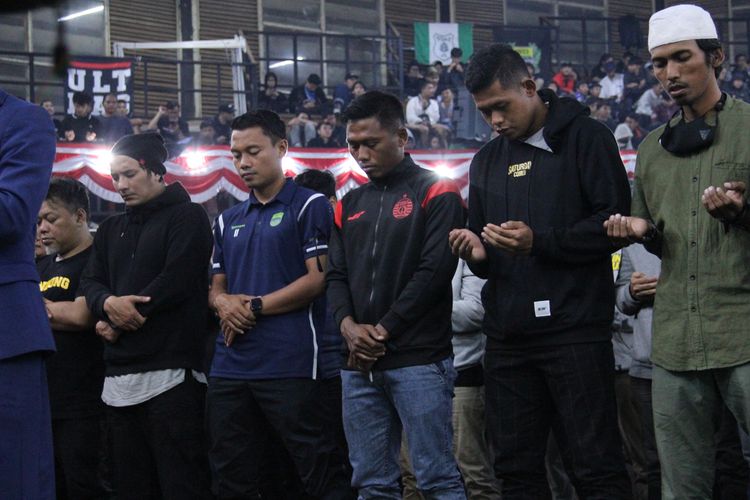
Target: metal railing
(582, 40)
(293, 55)
(31, 76)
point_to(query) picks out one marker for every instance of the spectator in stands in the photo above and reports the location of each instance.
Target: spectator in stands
(339, 131)
(599, 71)
(222, 123)
(639, 133)
(423, 116)
(624, 61)
(324, 139)
(603, 113)
(358, 89)
(565, 79)
(442, 76)
(207, 134)
(269, 96)
(634, 83)
(623, 136)
(740, 64)
(113, 126)
(342, 94)
(447, 106)
(81, 126)
(170, 124)
(534, 75)
(612, 84)
(582, 92)
(738, 87)
(648, 104)
(122, 110)
(455, 70)
(49, 107)
(432, 76)
(412, 79)
(595, 90)
(309, 97)
(301, 130)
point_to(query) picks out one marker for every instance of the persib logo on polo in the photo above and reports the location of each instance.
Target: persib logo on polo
(276, 219)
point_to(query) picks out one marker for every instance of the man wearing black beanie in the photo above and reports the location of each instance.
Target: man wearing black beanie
(147, 283)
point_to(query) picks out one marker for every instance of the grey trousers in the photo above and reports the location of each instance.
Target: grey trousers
(687, 414)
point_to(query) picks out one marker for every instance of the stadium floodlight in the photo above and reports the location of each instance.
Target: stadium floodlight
(75, 15)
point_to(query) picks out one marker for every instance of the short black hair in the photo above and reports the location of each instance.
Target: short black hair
(321, 181)
(268, 121)
(70, 193)
(423, 83)
(709, 46)
(496, 62)
(384, 107)
(83, 98)
(457, 52)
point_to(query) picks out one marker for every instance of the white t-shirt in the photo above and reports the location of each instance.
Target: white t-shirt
(136, 388)
(612, 87)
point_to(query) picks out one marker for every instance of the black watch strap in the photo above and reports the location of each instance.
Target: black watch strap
(256, 304)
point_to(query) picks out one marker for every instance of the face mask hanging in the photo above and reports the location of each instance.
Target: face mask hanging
(687, 138)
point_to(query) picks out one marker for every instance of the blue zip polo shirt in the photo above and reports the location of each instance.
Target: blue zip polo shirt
(262, 248)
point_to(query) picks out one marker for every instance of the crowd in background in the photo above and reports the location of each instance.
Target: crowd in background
(621, 93)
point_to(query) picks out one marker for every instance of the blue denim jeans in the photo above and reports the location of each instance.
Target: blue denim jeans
(378, 406)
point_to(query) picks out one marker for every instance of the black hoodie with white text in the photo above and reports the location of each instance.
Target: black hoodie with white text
(562, 292)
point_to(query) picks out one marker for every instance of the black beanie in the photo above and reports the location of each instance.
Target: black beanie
(147, 149)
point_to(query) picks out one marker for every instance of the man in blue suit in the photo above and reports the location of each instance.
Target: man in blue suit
(27, 150)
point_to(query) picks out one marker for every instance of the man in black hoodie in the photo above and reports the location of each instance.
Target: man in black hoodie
(389, 287)
(147, 283)
(539, 194)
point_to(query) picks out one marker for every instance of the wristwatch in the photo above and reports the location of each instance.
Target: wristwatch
(256, 305)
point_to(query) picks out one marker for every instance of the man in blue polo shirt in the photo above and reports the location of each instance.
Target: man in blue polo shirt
(267, 289)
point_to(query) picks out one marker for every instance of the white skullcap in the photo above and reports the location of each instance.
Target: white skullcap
(679, 23)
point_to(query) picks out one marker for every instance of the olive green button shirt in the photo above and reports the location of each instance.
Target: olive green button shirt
(702, 305)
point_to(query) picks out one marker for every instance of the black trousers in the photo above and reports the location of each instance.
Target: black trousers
(570, 390)
(240, 414)
(78, 451)
(641, 389)
(159, 446)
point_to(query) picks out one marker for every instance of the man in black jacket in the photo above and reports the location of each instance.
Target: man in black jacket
(538, 196)
(309, 97)
(389, 287)
(147, 283)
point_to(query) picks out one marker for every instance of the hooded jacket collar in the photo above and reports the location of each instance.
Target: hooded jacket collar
(561, 113)
(173, 194)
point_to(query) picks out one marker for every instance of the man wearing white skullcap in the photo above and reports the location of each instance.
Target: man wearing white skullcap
(689, 208)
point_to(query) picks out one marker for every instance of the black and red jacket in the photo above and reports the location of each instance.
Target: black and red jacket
(390, 263)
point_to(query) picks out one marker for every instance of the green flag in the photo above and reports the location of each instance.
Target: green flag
(434, 41)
